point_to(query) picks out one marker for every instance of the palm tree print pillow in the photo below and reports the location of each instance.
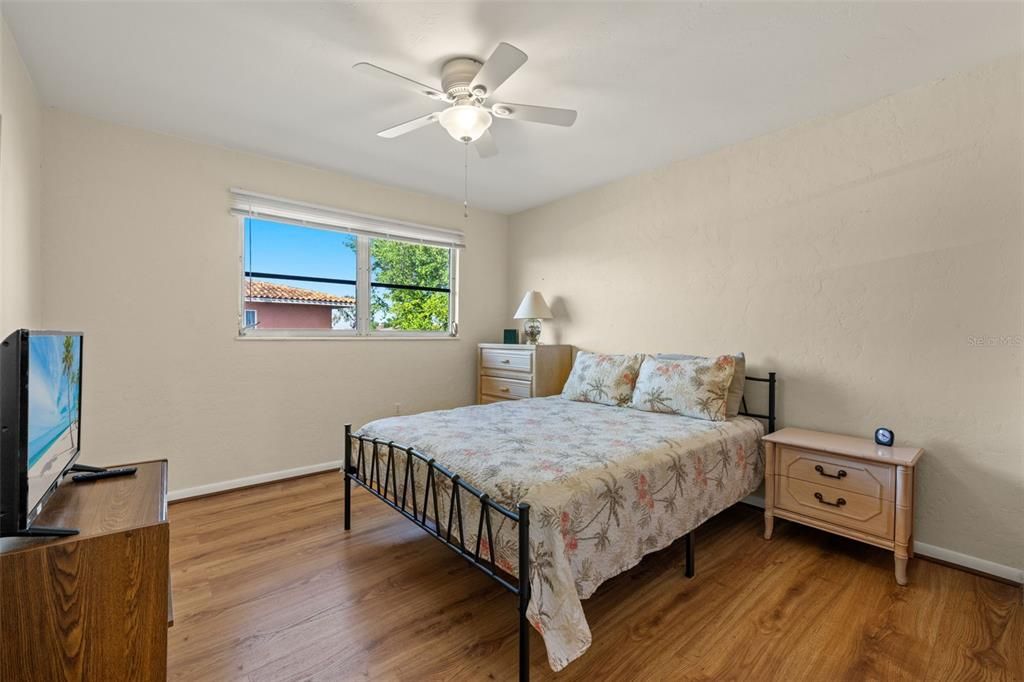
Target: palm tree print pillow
(693, 387)
(603, 379)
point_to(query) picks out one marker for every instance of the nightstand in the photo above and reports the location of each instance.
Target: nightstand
(844, 485)
(515, 371)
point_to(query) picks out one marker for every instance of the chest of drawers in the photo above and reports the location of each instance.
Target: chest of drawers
(516, 371)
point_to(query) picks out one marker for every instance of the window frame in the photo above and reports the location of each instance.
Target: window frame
(363, 329)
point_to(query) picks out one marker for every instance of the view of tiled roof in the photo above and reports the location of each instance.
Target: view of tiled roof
(268, 292)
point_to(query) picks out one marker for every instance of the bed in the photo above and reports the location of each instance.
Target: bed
(589, 489)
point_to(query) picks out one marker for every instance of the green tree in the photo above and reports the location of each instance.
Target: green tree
(394, 262)
(67, 362)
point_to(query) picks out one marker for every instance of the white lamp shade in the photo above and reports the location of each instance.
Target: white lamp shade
(533, 306)
(465, 122)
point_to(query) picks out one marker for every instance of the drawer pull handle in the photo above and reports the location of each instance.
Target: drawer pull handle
(504, 389)
(838, 503)
(506, 361)
(820, 470)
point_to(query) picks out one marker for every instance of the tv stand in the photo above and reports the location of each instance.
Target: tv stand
(42, 532)
(85, 469)
(96, 605)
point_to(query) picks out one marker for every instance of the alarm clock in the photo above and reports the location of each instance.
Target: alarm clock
(884, 436)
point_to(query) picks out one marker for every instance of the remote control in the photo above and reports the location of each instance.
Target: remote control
(97, 475)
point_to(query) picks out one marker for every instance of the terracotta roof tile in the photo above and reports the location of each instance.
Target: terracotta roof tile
(272, 293)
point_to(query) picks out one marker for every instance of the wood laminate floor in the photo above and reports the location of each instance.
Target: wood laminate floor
(268, 587)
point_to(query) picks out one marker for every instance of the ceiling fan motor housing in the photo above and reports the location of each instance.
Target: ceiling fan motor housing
(457, 74)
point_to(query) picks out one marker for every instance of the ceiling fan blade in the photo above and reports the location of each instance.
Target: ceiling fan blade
(485, 146)
(408, 126)
(396, 79)
(503, 62)
(529, 112)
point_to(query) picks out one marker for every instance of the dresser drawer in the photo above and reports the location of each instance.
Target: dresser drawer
(849, 475)
(864, 513)
(514, 360)
(505, 388)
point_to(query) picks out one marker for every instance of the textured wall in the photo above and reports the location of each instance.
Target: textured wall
(142, 255)
(873, 259)
(20, 191)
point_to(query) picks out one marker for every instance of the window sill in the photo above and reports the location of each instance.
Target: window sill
(351, 337)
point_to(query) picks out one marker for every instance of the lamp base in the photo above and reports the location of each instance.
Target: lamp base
(531, 329)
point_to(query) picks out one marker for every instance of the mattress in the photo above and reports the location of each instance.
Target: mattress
(606, 486)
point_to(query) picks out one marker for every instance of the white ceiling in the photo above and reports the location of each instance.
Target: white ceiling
(653, 82)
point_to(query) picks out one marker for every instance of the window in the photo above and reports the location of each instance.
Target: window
(410, 286)
(312, 271)
(298, 278)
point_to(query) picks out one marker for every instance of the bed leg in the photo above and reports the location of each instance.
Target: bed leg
(345, 473)
(690, 567)
(524, 591)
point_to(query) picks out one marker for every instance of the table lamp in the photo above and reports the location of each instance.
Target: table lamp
(533, 309)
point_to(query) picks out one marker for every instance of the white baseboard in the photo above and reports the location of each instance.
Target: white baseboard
(972, 562)
(942, 554)
(754, 500)
(200, 490)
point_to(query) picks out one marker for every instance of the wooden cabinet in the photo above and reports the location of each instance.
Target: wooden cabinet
(515, 371)
(845, 485)
(92, 606)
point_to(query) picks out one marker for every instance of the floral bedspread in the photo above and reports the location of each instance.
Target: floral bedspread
(606, 485)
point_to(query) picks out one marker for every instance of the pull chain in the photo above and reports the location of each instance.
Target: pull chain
(465, 185)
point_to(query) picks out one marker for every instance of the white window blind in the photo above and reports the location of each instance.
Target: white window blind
(258, 205)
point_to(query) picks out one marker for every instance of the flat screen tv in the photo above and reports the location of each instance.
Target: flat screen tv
(40, 414)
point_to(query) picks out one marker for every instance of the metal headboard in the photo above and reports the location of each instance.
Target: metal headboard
(770, 417)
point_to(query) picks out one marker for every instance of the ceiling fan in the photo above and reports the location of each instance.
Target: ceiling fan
(466, 86)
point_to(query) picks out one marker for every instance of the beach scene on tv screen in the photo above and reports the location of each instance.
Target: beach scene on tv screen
(54, 376)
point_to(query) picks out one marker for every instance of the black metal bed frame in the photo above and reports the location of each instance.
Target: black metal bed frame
(770, 417)
(384, 486)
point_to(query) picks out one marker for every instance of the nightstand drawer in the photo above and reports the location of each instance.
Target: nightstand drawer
(505, 388)
(864, 513)
(873, 480)
(514, 360)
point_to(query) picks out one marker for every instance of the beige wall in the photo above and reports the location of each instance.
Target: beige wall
(20, 191)
(857, 256)
(142, 255)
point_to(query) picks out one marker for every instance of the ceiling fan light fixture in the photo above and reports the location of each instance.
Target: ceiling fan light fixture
(465, 122)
